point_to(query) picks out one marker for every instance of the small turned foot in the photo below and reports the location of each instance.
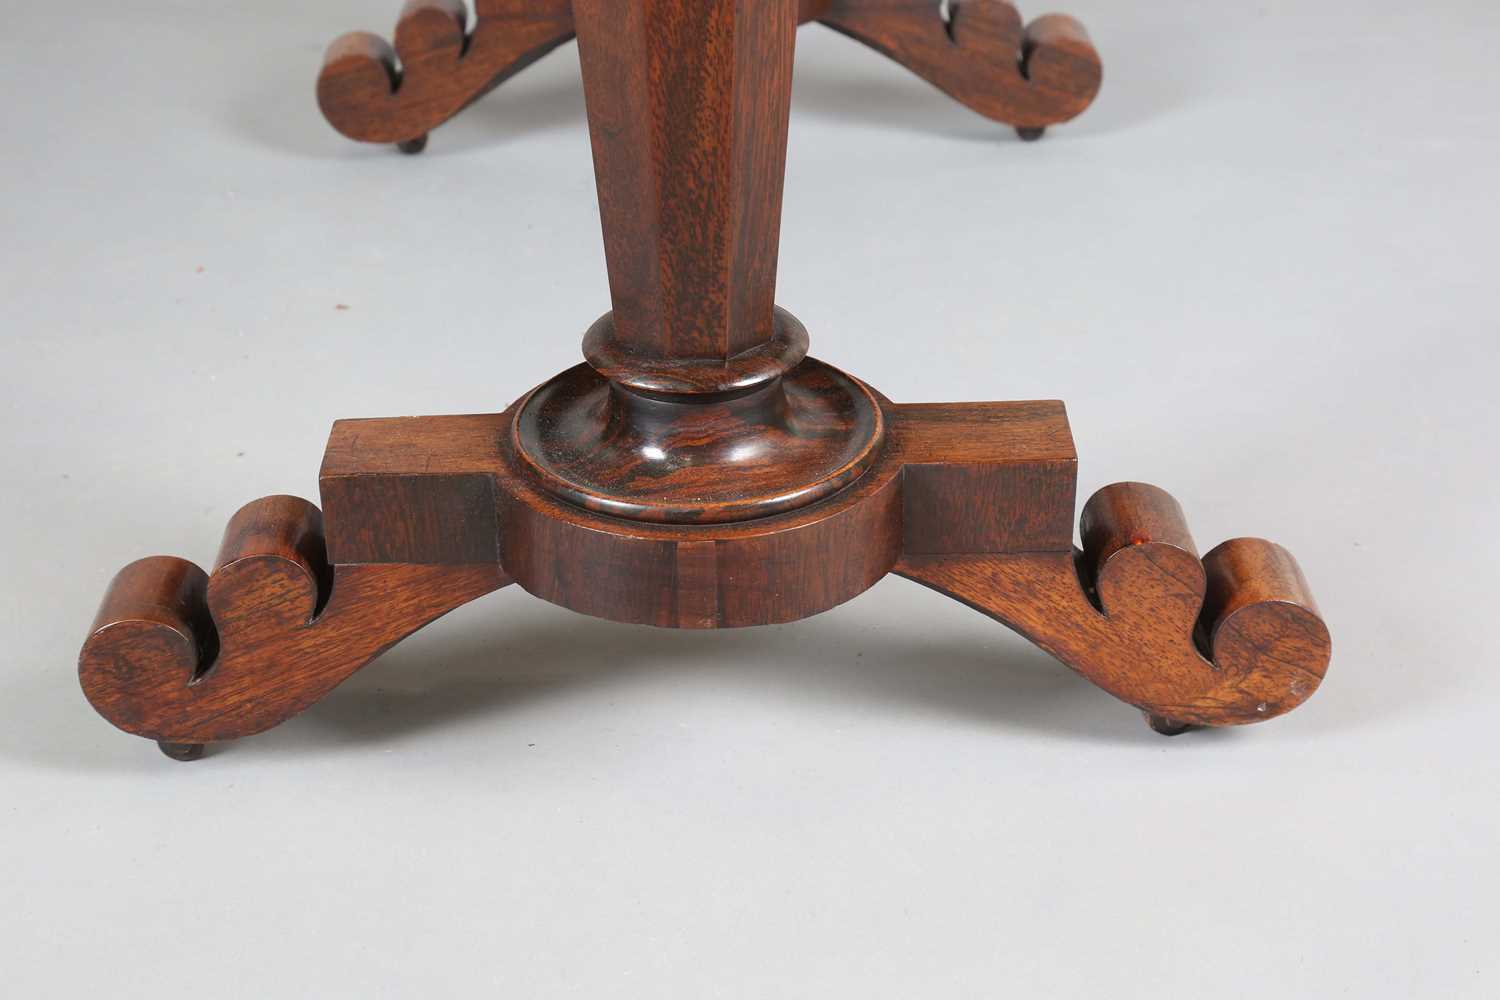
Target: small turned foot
(1031, 134)
(1168, 727)
(411, 147)
(182, 751)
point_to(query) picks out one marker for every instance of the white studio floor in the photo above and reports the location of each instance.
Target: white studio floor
(1261, 271)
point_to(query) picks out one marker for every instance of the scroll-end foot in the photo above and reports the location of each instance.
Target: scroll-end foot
(182, 751)
(1258, 647)
(411, 147)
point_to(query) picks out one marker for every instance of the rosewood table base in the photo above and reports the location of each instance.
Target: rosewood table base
(978, 52)
(699, 470)
(421, 515)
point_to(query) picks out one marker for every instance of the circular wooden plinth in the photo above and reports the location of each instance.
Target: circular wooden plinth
(765, 571)
(678, 460)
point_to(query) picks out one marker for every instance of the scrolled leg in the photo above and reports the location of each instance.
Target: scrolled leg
(977, 51)
(188, 658)
(1029, 77)
(1230, 639)
(372, 91)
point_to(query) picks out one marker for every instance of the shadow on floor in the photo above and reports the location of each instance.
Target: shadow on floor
(491, 674)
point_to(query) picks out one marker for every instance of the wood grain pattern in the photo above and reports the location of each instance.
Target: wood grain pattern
(782, 446)
(724, 575)
(988, 477)
(700, 471)
(618, 360)
(185, 658)
(762, 571)
(1129, 612)
(374, 92)
(768, 570)
(1031, 78)
(179, 656)
(700, 406)
(688, 105)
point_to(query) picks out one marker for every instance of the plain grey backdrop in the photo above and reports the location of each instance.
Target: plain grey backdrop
(1261, 271)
